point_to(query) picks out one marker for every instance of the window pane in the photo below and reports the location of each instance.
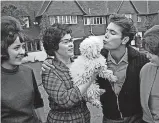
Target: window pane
(138, 19)
(29, 46)
(101, 20)
(85, 20)
(59, 19)
(52, 20)
(64, 19)
(92, 20)
(38, 45)
(25, 22)
(98, 21)
(74, 19)
(128, 16)
(68, 19)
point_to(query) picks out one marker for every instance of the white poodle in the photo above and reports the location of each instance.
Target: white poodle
(88, 64)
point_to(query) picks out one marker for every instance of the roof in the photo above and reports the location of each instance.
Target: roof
(113, 6)
(146, 7)
(56, 10)
(141, 7)
(94, 8)
(43, 8)
(134, 8)
(97, 8)
(153, 6)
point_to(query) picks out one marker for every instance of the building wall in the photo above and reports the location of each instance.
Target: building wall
(147, 22)
(78, 29)
(64, 8)
(96, 29)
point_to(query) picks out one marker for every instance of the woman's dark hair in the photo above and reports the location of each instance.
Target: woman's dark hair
(10, 30)
(127, 25)
(150, 40)
(52, 37)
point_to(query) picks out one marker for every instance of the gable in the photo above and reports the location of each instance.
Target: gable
(153, 6)
(141, 6)
(94, 8)
(113, 6)
(63, 8)
(126, 7)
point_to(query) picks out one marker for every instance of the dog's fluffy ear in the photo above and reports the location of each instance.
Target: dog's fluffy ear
(90, 47)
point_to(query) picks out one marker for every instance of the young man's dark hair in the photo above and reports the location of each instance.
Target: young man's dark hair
(127, 25)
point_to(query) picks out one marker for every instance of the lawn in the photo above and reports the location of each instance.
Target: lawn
(96, 114)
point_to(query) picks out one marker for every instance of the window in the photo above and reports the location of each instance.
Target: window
(138, 19)
(63, 19)
(25, 22)
(94, 20)
(33, 46)
(128, 15)
(52, 20)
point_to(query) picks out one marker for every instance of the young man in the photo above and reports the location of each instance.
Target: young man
(121, 101)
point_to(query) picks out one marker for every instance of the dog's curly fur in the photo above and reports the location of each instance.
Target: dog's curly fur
(89, 63)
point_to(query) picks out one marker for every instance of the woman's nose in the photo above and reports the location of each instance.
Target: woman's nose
(22, 51)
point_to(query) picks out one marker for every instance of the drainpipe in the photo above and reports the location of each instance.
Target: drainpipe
(91, 29)
(147, 7)
(147, 1)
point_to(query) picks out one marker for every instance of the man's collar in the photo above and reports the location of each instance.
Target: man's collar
(132, 53)
(124, 58)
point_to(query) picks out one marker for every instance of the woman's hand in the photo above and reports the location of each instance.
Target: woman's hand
(83, 87)
(46, 66)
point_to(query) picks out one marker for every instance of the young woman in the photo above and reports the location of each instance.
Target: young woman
(66, 100)
(21, 101)
(149, 88)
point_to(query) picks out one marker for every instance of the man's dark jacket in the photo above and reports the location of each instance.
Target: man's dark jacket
(129, 96)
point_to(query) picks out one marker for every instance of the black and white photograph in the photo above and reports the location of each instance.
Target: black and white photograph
(79, 61)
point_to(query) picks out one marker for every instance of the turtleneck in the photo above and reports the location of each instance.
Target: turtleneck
(10, 71)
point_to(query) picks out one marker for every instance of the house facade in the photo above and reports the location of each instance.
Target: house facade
(91, 17)
(84, 17)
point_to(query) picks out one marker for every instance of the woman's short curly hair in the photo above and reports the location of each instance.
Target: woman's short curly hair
(127, 25)
(10, 30)
(150, 40)
(52, 37)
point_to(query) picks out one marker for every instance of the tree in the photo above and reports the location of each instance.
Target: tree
(12, 10)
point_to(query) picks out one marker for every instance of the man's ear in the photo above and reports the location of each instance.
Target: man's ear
(125, 40)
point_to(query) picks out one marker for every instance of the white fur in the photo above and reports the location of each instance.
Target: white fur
(89, 63)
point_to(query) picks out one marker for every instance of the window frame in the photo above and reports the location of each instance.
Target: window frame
(63, 19)
(94, 20)
(32, 45)
(138, 18)
(27, 23)
(128, 15)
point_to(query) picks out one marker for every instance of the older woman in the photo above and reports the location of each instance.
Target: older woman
(66, 100)
(21, 101)
(149, 88)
